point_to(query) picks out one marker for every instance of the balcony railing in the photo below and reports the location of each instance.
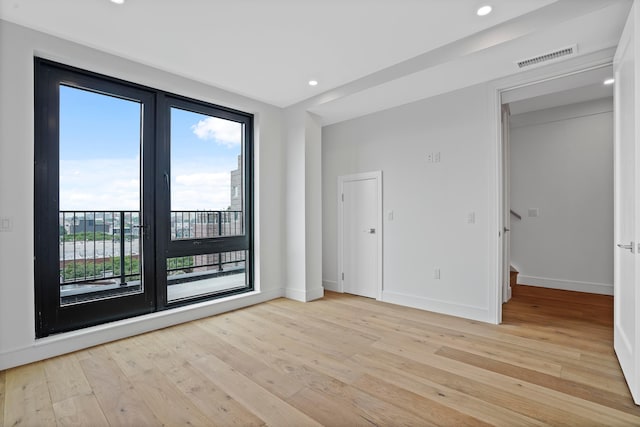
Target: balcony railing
(103, 247)
(203, 224)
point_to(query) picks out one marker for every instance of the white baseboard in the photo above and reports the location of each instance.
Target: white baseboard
(303, 295)
(68, 342)
(330, 285)
(444, 307)
(509, 294)
(567, 285)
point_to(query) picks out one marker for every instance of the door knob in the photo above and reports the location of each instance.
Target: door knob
(629, 247)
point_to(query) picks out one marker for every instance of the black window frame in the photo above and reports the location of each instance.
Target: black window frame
(51, 317)
(210, 245)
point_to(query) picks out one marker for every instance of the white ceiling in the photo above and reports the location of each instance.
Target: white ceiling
(571, 89)
(367, 54)
(565, 97)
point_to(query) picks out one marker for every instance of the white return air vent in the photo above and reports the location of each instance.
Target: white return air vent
(547, 57)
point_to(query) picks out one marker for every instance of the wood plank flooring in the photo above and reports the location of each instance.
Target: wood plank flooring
(342, 361)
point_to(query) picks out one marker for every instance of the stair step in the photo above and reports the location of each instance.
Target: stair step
(513, 277)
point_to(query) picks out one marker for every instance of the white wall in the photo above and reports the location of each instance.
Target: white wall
(562, 164)
(17, 49)
(431, 201)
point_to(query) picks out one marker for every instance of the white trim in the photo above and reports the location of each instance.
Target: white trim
(495, 219)
(331, 285)
(571, 66)
(68, 342)
(592, 61)
(377, 175)
(567, 285)
(304, 295)
(472, 312)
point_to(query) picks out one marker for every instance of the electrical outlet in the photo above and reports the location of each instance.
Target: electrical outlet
(471, 218)
(429, 157)
(436, 274)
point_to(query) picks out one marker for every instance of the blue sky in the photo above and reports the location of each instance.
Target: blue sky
(100, 155)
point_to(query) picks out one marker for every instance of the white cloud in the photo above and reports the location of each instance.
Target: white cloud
(224, 132)
(105, 184)
(114, 184)
(201, 191)
(204, 179)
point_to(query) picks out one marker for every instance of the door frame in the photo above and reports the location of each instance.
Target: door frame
(51, 317)
(506, 206)
(377, 175)
(505, 167)
(496, 221)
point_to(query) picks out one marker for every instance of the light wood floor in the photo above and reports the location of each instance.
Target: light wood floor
(343, 361)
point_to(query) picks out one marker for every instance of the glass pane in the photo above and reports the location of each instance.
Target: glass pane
(206, 176)
(196, 275)
(99, 217)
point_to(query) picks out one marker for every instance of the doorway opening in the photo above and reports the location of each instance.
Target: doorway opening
(558, 204)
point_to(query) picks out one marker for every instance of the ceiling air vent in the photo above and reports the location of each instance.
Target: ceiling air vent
(551, 56)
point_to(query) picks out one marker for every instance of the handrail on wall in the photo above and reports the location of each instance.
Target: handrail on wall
(516, 214)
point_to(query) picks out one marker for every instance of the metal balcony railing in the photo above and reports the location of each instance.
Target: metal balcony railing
(103, 247)
(203, 224)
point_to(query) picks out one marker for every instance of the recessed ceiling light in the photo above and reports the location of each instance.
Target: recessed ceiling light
(117, 1)
(313, 83)
(609, 81)
(484, 10)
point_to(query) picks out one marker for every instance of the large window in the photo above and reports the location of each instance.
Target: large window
(143, 199)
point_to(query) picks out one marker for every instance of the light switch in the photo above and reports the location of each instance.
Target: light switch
(6, 224)
(471, 218)
(533, 212)
(390, 215)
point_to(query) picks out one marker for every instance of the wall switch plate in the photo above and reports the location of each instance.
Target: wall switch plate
(471, 218)
(533, 212)
(436, 157)
(436, 274)
(6, 224)
(429, 157)
(390, 215)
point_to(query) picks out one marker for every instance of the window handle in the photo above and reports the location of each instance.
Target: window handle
(166, 179)
(628, 247)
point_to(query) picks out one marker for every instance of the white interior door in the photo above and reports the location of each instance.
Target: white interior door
(361, 234)
(627, 197)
